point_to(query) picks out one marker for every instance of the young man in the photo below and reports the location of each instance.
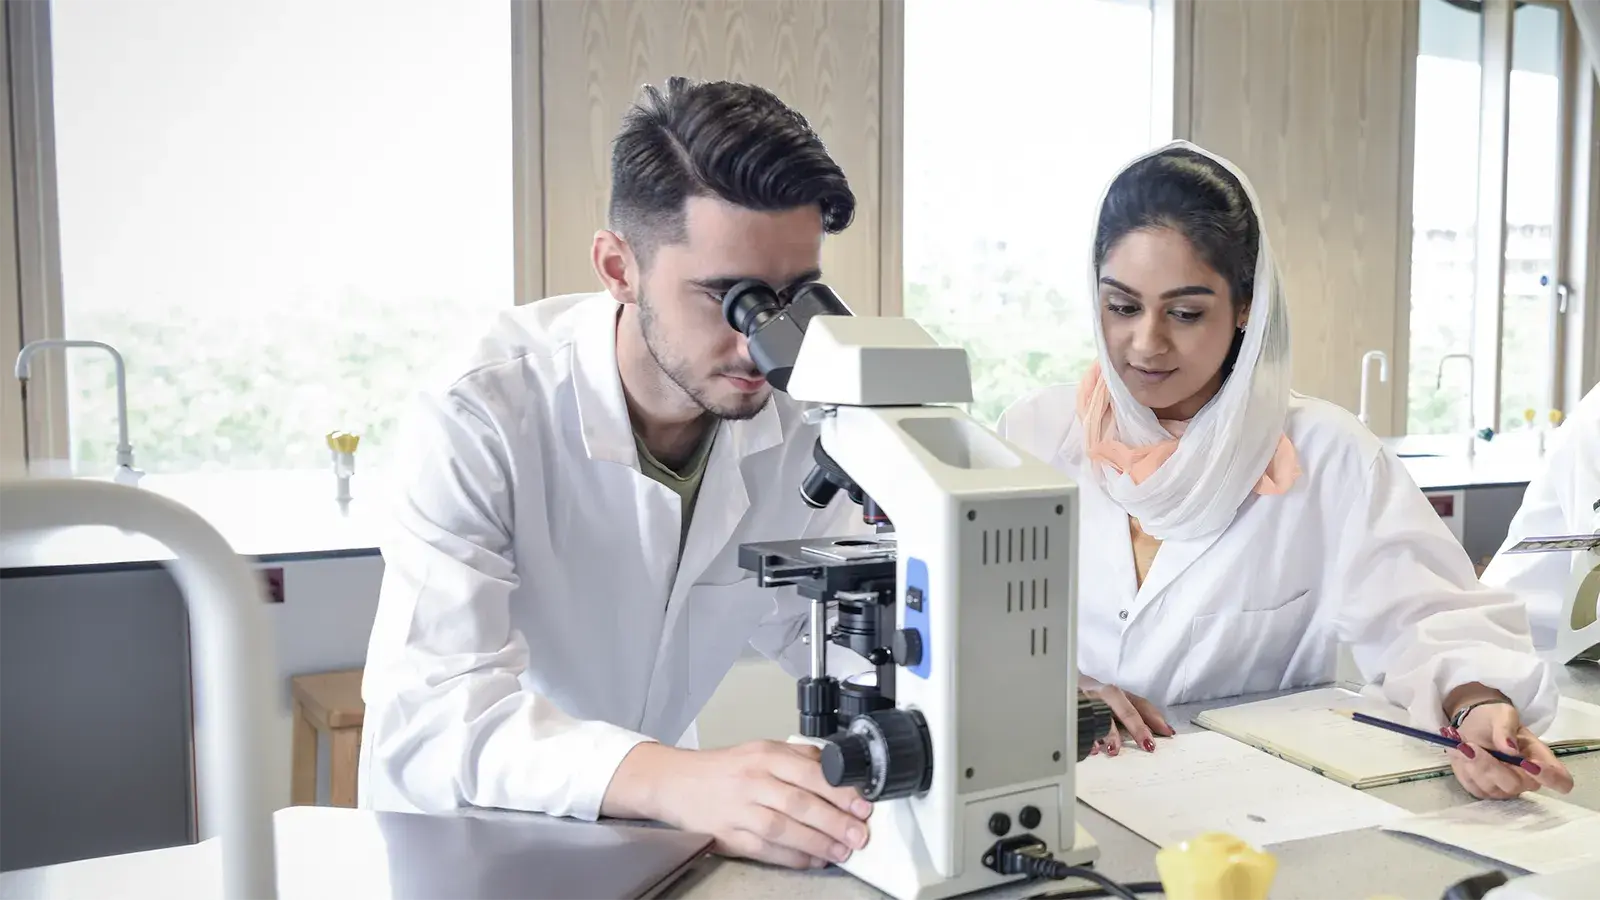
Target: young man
(562, 592)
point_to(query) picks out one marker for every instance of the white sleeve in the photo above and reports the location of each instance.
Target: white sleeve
(451, 723)
(1415, 614)
(779, 636)
(1559, 500)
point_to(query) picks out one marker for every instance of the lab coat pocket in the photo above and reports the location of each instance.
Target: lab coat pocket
(1244, 651)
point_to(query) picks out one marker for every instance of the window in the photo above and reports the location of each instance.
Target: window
(1450, 143)
(1443, 215)
(1007, 150)
(1533, 179)
(282, 214)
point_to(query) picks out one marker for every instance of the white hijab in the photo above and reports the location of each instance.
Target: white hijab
(1226, 447)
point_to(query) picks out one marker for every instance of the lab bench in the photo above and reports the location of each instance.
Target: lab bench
(1364, 863)
(1478, 495)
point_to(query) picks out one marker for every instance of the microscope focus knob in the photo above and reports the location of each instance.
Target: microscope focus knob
(884, 754)
(847, 760)
(906, 646)
(1094, 721)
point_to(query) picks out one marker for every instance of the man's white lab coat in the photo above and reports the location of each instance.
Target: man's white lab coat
(534, 622)
(1352, 552)
(1559, 500)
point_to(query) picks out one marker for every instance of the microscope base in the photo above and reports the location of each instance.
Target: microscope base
(896, 863)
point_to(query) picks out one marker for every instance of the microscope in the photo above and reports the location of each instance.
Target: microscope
(1578, 624)
(965, 732)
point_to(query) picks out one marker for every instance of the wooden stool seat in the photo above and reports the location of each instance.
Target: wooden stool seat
(327, 703)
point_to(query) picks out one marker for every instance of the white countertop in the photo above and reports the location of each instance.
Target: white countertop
(1439, 462)
(265, 515)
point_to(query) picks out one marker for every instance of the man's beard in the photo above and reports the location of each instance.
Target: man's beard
(678, 371)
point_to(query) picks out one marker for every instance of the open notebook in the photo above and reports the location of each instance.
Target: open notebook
(1299, 728)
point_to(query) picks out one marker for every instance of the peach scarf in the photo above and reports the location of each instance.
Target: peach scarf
(1139, 463)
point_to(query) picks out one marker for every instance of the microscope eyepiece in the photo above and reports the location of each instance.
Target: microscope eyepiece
(749, 305)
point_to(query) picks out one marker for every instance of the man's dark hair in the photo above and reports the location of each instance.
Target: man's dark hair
(736, 142)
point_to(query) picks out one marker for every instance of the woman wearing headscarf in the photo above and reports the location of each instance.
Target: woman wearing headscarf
(1232, 533)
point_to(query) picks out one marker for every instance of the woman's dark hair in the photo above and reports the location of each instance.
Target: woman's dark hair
(1195, 196)
(736, 142)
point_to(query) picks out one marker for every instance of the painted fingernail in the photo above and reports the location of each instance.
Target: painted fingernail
(1467, 751)
(1451, 733)
(1111, 751)
(1149, 746)
(1511, 745)
(856, 837)
(861, 808)
(1532, 768)
(839, 852)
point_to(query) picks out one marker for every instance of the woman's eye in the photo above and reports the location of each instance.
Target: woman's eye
(1185, 315)
(1122, 309)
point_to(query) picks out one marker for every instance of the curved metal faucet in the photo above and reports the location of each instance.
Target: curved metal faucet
(1383, 376)
(125, 473)
(233, 671)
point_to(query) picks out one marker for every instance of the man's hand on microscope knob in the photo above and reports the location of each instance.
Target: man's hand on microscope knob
(764, 800)
(1139, 716)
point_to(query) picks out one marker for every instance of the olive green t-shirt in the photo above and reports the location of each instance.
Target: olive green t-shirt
(686, 482)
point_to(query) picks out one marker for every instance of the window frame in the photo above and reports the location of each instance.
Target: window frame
(1572, 340)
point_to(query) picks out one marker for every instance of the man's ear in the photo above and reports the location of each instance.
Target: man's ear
(616, 266)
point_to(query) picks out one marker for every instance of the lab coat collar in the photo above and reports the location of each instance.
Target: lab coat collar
(603, 408)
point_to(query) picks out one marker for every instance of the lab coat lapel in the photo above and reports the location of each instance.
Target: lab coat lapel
(724, 496)
(1172, 560)
(721, 505)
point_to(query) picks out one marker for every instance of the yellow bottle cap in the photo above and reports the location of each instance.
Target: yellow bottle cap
(1215, 866)
(342, 441)
(1528, 414)
(1556, 417)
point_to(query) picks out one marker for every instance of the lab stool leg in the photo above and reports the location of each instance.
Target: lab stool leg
(303, 778)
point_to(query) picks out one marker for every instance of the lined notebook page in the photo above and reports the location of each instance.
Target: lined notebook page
(1202, 782)
(1301, 728)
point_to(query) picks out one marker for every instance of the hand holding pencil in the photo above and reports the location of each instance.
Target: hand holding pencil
(1493, 756)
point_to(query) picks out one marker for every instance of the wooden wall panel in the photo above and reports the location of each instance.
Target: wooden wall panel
(1308, 98)
(823, 58)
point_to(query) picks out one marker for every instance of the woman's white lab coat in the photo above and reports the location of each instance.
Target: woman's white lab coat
(1559, 500)
(534, 622)
(1352, 552)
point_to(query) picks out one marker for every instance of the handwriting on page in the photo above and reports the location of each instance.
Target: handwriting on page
(1202, 782)
(1534, 832)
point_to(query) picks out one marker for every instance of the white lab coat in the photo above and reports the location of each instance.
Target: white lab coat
(1352, 552)
(1559, 500)
(534, 623)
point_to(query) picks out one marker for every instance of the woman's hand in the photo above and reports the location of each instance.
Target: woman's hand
(1497, 725)
(1138, 715)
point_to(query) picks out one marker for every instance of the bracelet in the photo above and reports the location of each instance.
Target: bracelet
(1461, 714)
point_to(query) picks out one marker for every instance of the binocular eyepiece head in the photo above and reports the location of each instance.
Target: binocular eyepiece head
(775, 327)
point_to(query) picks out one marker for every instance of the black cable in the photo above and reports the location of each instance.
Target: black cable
(1135, 887)
(1028, 855)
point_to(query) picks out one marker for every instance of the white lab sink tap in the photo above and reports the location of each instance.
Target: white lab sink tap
(125, 472)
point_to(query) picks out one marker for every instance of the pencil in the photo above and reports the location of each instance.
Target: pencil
(1418, 733)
